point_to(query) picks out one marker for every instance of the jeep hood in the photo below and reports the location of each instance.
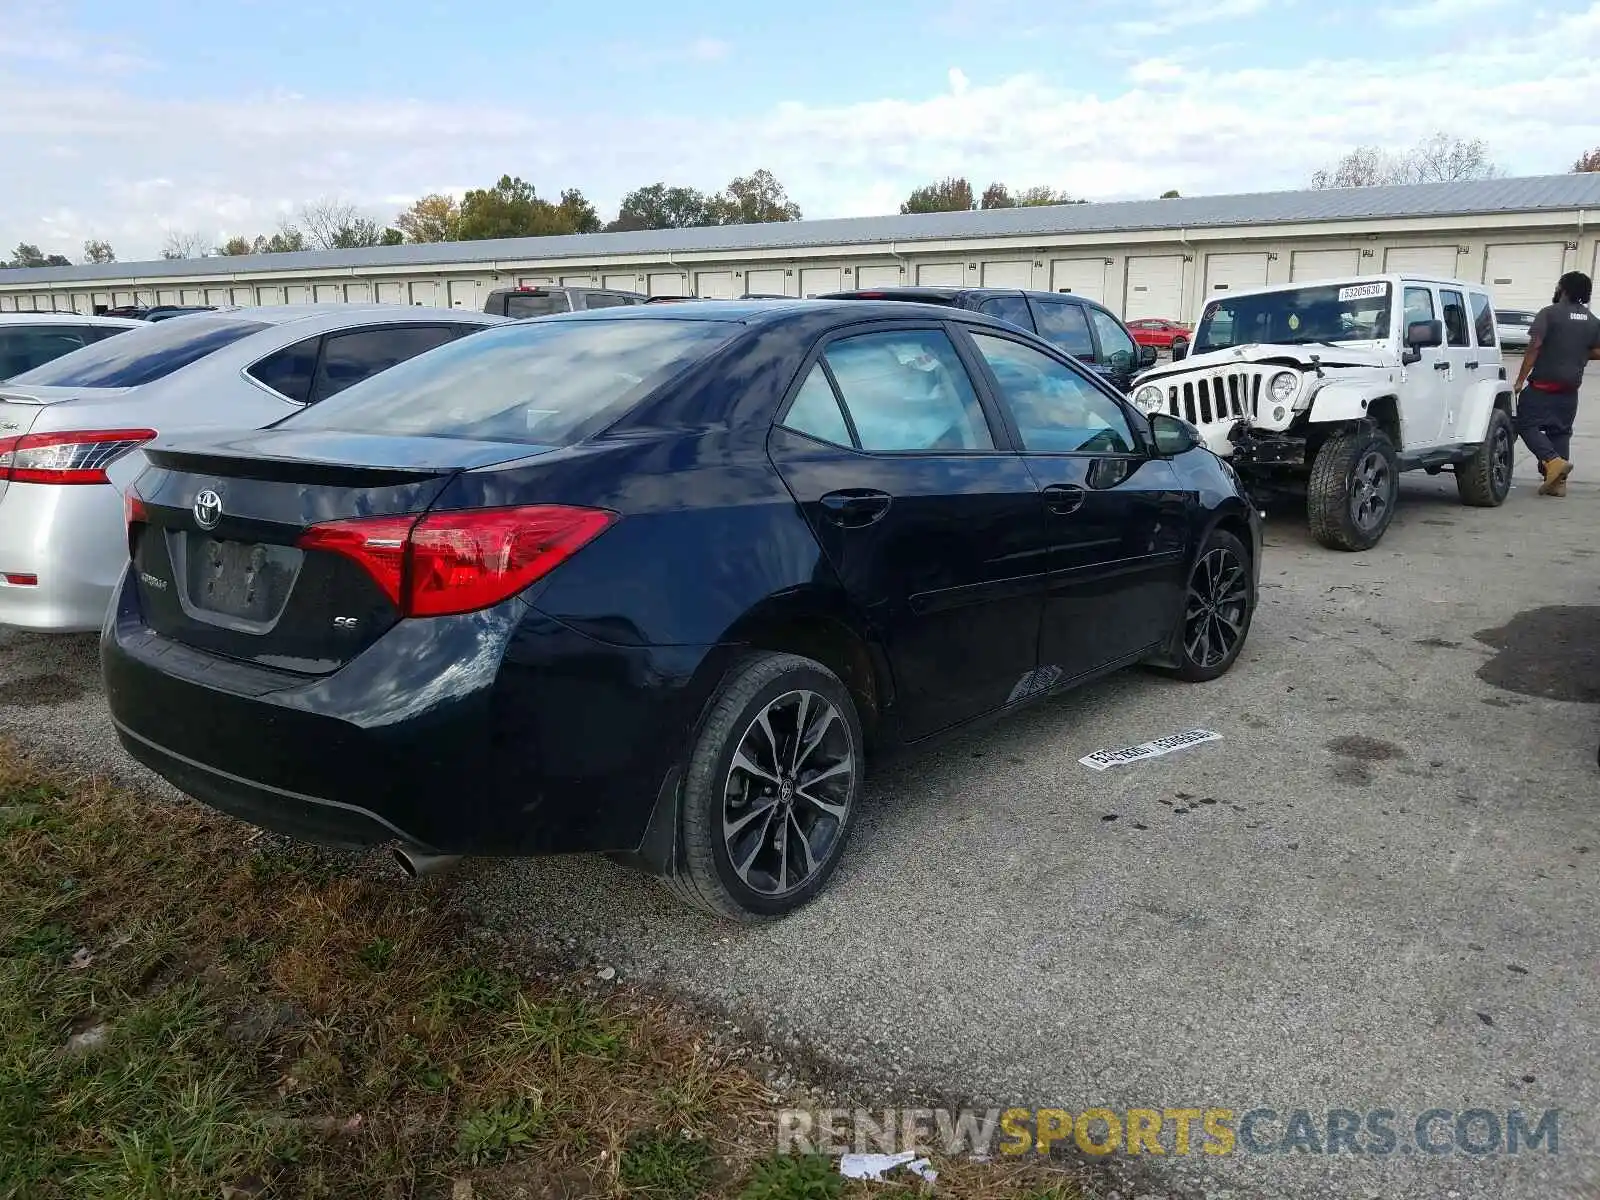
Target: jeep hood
(1352, 354)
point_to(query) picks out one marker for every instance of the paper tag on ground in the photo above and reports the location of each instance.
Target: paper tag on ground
(1101, 759)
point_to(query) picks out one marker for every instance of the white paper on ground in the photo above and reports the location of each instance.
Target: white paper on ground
(875, 1166)
(1101, 759)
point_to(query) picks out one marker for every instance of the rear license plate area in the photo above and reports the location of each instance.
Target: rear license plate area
(242, 580)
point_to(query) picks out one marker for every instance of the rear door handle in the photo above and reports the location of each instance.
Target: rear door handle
(853, 508)
(1063, 499)
(1472, 366)
(1441, 366)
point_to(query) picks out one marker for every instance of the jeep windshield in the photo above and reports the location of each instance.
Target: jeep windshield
(1324, 313)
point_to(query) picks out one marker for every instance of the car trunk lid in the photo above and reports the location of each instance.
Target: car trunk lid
(224, 558)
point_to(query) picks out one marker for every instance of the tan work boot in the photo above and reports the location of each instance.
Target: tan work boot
(1555, 477)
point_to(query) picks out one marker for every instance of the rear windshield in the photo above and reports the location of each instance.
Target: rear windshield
(545, 383)
(140, 355)
(519, 304)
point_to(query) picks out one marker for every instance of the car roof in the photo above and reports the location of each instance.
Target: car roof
(286, 314)
(64, 318)
(757, 312)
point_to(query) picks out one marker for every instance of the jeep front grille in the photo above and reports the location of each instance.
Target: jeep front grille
(1224, 395)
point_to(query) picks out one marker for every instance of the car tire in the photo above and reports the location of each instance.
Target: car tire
(1355, 482)
(753, 785)
(1221, 583)
(1484, 480)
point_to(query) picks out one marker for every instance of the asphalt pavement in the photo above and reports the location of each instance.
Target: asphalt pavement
(1377, 890)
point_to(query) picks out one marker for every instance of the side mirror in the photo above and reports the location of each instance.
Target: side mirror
(1119, 361)
(1423, 334)
(1180, 351)
(1147, 356)
(1419, 335)
(1173, 435)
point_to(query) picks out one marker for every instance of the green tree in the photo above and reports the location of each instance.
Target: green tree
(953, 194)
(287, 240)
(659, 206)
(754, 199)
(236, 245)
(392, 237)
(1589, 160)
(97, 251)
(433, 218)
(354, 233)
(57, 260)
(997, 195)
(1170, 195)
(513, 208)
(27, 255)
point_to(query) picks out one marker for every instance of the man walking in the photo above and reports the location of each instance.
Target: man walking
(1562, 340)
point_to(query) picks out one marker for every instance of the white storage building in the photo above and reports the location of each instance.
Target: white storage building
(1150, 258)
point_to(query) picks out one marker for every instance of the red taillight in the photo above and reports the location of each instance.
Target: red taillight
(458, 562)
(133, 510)
(12, 579)
(78, 457)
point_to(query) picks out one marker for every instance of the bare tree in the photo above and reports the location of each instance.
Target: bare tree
(1439, 158)
(336, 225)
(183, 244)
(1588, 161)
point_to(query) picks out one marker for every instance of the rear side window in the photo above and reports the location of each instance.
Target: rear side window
(288, 371)
(1455, 319)
(907, 390)
(1483, 319)
(1063, 325)
(543, 383)
(605, 300)
(141, 355)
(348, 358)
(23, 348)
(1009, 308)
(816, 412)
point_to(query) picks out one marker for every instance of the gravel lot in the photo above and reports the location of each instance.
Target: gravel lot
(1377, 890)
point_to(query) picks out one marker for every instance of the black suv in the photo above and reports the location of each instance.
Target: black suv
(1080, 327)
(544, 300)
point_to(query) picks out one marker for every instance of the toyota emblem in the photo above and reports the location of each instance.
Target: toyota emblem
(207, 509)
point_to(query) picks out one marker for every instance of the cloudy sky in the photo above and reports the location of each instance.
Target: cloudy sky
(127, 120)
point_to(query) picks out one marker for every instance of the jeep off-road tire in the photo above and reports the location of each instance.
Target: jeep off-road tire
(787, 789)
(1356, 475)
(1484, 480)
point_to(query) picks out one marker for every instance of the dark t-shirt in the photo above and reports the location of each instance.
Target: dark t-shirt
(1566, 333)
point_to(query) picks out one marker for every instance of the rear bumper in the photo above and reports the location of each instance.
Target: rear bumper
(73, 541)
(498, 733)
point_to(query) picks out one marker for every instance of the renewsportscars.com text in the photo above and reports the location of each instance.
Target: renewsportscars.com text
(1374, 1132)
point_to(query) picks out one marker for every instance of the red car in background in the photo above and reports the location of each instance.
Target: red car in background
(1159, 332)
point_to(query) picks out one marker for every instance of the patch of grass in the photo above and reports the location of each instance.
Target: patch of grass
(668, 1166)
(794, 1177)
(189, 1009)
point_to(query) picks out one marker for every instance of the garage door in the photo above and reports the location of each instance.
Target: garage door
(425, 292)
(1010, 274)
(392, 293)
(714, 285)
(358, 293)
(666, 283)
(1155, 287)
(194, 296)
(1523, 275)
(462, 293)
(329, 293)
(814, 281)
(880, 276)
(1232, 272)
(942, 274)
(769, 282)
(1080, 276)
(166, 295)
(1307, 265)
(242, 296)
(216, 296)
(1437, 261)
(622, 283)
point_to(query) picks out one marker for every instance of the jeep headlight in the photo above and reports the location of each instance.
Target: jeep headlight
(1283, 387)
(1149, 399)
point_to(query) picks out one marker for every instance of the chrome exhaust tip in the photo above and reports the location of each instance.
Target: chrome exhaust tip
(418, 865)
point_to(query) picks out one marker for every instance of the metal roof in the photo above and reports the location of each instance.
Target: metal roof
(1469, 198)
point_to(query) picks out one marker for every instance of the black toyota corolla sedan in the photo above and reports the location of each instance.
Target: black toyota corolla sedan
(651, 580)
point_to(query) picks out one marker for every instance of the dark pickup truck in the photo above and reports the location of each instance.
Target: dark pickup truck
(554, 298)
(1082, 328)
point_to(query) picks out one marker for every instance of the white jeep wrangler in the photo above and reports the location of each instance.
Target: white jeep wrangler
(1339, 385)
